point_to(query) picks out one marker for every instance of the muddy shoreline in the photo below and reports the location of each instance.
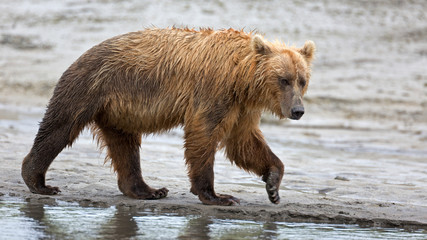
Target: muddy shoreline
(330, 213)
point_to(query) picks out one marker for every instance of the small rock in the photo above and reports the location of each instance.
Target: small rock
(326, 190)
(341, 178)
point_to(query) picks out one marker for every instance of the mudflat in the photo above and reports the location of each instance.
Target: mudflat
(358, 155)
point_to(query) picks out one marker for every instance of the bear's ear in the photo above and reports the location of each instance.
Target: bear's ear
(308, 50)
(260, 46)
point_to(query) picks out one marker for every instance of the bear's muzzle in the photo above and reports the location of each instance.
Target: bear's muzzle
(297, 112)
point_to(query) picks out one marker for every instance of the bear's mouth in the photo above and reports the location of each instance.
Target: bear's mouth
(294, 118)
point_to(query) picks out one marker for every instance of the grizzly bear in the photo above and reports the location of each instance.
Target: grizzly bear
(215, 84)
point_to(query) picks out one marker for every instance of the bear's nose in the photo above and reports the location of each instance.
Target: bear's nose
(297, 112)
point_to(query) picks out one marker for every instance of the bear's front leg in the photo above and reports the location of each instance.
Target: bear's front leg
(273, 178)
(200, 154)
(247, 148)
(202, 186)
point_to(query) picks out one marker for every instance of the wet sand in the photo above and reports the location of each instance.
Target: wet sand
(358, 155)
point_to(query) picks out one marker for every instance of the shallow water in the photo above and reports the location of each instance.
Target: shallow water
(26, 219)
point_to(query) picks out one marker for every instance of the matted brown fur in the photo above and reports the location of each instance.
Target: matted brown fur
(213, 83)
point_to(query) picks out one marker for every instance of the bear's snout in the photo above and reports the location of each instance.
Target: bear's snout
(297, 112)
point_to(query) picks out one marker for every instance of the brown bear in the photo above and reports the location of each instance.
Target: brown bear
(213, 83)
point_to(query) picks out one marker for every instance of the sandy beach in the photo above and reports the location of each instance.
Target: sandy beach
(358, 155)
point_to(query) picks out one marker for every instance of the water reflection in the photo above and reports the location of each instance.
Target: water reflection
(59, 220)
(121, 225)
(196, 228)
(36, 213)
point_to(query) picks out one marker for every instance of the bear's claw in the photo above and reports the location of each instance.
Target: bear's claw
(159, 193)
(232, 200)
(144, 192)
(220, 199)
(272, 183)
(273, 195)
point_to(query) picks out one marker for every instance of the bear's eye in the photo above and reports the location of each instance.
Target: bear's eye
(302, 83)
(284, 82)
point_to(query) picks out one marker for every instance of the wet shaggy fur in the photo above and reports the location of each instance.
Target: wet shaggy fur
(213, 83)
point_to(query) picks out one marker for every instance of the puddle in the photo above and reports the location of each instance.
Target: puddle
(26, 219)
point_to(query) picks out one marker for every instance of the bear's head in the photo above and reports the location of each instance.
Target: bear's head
(285, 73)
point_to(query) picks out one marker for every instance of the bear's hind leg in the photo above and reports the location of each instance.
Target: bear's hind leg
(52, 137)
(123, 149)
